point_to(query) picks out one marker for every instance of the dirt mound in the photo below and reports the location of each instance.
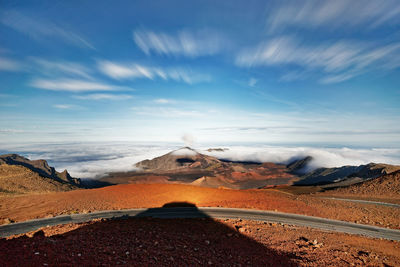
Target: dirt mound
(21, 180)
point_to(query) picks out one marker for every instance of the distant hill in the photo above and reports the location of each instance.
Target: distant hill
(21, 175)
(346, 175)
(188, 166)
(184, 158)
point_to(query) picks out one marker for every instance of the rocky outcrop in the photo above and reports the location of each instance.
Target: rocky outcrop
(31, 173)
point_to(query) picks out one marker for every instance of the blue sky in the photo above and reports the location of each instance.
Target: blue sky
(315, 72)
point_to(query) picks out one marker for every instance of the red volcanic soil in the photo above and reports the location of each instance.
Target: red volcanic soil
(193, 242)
(24, 207)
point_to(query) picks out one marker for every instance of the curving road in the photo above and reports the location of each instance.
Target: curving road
(221, 213)
(364, 201)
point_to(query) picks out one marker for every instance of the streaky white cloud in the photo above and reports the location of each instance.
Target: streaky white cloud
(337, 78)
(64, 106)
(345, 59)
(11, 131)
(164, 101)
(38, 28)
(72, 85)
(133, 70)
(332, 14)
(51, 68)
(184, 43)
(119, 71)
(103, 97)
(168, 112)
(9, 65)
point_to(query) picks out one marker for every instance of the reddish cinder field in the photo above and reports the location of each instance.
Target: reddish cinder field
(24, 207)
(199, 242)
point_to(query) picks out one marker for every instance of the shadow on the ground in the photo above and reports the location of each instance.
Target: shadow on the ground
(144, 240)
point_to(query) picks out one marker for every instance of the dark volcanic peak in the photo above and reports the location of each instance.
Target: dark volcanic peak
(182, 158)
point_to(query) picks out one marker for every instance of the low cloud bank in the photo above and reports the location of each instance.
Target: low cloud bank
(90, 160)
(93, 160)
(322, 157)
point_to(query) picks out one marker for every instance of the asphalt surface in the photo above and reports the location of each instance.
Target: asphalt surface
(365, 201)
(221, 213)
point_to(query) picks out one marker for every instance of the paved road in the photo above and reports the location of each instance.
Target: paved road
(365, 201)
(222, 213)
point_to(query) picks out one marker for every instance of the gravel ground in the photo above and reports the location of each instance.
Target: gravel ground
(194, 242)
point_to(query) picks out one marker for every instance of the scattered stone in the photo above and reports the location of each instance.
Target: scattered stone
(39, 233)
(37, 253)
(361, 252)
(302, 238)
(7, 221)
(207, 242)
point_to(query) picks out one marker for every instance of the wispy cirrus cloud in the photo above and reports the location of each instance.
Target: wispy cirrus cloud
(104, 97)
(183, 43)
(342, 59)
(168, 112)
(64, 106)
(11, 131)
(38, 28)
(9, 65)
(332, 14)
(52, 68)
(133, 71)
(164, 101)
(72, 85)
(120, 71)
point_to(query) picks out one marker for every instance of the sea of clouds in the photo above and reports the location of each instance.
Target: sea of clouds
(93, 160)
